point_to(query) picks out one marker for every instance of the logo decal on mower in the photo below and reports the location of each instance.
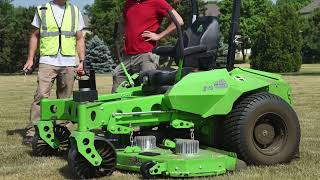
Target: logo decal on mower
(135, 161)
(200, 29)
(221, 84)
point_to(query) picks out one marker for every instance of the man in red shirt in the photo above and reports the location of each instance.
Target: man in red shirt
(142, 21)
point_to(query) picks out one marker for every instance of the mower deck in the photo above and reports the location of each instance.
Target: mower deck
(207, 162)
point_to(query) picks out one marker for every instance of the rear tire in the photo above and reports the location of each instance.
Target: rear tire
(262, 129)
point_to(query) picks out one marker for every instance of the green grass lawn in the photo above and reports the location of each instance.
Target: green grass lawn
(16, 162)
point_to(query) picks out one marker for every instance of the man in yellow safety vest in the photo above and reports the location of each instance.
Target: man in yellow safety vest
(58, 32)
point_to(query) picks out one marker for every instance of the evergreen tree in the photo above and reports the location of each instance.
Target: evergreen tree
(279, 42)
(311, 36)
(99, 55)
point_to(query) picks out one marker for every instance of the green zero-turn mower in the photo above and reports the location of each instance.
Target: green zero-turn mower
(178, 123)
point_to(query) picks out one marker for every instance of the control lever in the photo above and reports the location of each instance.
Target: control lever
(87, 85)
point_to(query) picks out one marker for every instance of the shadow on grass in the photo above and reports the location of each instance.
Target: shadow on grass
(29, 152)
(66, 172)
(20, 132)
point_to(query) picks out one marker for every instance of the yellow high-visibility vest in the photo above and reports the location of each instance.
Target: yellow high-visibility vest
(52, 37)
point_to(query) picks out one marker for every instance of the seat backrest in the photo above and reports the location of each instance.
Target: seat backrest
(204, 31)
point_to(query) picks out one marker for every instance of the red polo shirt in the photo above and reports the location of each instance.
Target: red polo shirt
(140, 16)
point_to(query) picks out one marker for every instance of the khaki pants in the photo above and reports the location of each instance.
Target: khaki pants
(134, 64)
(47, 75)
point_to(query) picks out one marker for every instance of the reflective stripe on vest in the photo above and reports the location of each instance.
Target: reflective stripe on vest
(53, 38)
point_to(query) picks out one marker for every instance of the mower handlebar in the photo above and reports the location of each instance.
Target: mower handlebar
(180, 35)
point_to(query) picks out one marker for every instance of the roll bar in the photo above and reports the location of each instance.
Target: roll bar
(180, 45)
(234, 30)
(180, 34)
(195, 10)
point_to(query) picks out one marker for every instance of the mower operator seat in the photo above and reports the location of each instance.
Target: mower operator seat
(200, 42)
(200, 50)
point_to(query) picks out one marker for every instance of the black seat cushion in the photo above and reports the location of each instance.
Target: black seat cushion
(159, 82)
(159, 78)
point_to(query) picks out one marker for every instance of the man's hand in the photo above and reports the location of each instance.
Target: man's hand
(28, 65)
(80, 70)
(33, 45)
(150, 36)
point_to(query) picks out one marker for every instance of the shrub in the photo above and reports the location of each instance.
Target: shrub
(311, 45)
(279, 43)
(99, 55)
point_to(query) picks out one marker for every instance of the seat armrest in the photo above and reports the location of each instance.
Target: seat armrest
(165, 51)
(193, 50)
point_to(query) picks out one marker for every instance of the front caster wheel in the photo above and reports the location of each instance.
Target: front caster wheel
(83, 169)
(145, 170)
(41, 148)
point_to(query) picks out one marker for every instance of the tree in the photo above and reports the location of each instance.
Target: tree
(297, 4)
(99, 55)
(23, 28)
(103, 15)
(311, 36)
(279, 42)
(6, 27)
(15, 31)
(253, 14)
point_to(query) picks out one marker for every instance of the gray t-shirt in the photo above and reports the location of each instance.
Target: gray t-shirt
(59, 60)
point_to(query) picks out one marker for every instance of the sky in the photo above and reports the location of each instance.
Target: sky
(26, 3)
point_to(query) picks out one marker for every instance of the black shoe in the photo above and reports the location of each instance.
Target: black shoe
(27, 140)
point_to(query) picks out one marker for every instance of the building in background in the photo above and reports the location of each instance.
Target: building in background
(212, 9)
(310, 8)
(86, 20)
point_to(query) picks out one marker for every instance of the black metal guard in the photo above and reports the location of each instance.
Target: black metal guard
(234, 30)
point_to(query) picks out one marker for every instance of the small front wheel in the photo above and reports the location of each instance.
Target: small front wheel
(83, 169)
(41, 148)
(145, 170)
